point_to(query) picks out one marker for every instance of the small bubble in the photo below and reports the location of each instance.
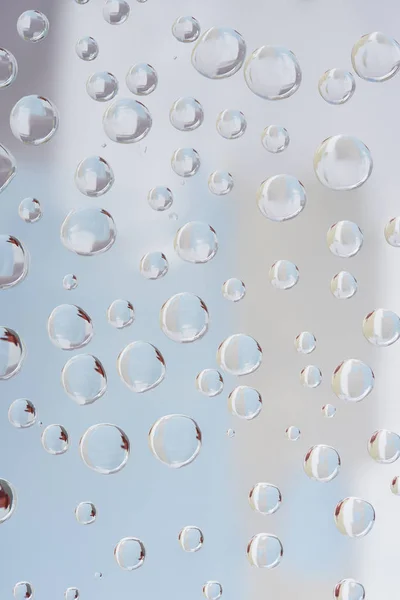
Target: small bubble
(272, 72)
(281, 197)
(94, 176)
(141, 366)
(336, 86)
(22, 413)
(12, 353)
(220, 183)
(69, 327)
(34, 120)
(344, 239)
(30, 210)
(104, 145)
(175, 440)
(342, 162)
(328, 411)
(231, 124)
(310, 376)
(322, 463)
(352, 380)
(8, 68)
(126, 121)
(55, 439)
(349, 589)
(70, 282)
(381, 327)
(210, 382)
(120, 314)
(191, 538)
(343, 285)
(185, 162)
(160, 198)
(8, 500)
(283, 274)
(219, 53)
(395, 485)
(102, 86)
(116, 12)
(354, 517)
(23, 591)
(384, 446)
(234, 289)
(264, 551)
(275, 139)
(129, 553)
(231, 433)
(186, 29)
(154, 265)
(239, 354)
(293, 433)
(104, 448)
(84, 379)
(305, 342)
(376, 57)
(8, 166)
(141, 79)
(212, 590)
(88, 231)
(245, 402)
(184, 318)
(87, 48)
(173, 217)
(392, 231)
(14, 262)
(85, 513)
(33, 26)
(196, 242)
(186, 114)
(40, 423)
(265, 498)
(71, 593)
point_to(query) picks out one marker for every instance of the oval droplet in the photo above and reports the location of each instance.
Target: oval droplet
(116, 12)
(328, 411)
(283, 275)
(12, 353)
(23, 590)
(30, 210)
(8, 500)
(344, 239)
(85, 513)
(305, 342)
(281, 197)
(186, 114)
(14, 262)
(220, 183)
(88, 231)
(141, 366)
(239, 354)
(245, 402)
(210, 382)
(376, 57)
(120, 314)
(186, 29)
(102, 86)
(84, 379)
(212, 590)
(384, 446)
(184, 318)
(87, 48)
(33, 26)
(71, 593)
(275, 139)
(55, 439)
(381, 327)
(8, 166)
(8, 68)
(337, 86)
(292, 433)
(154, 265)
(22, 413)
(349, 589)
(354, 517)
(392, 232)
(185, 162)
(104, 448)
(265, 498)
(196, 242)
(231, 124)
(322, 463)
(219, 53)
(94, 176)
(175, 440)
(272, 72)
(234, 289)
(310, 376)
(70, 282)
(160, 198)
(352, 380)
(264, 551)
(342, 162)
(191, 538)
(141, 79)
(34, 120)
(126, 121)
(343, 285)
(129, 553)
(69, 327)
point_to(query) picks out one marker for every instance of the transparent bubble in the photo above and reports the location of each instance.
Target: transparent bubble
(94, 176)
(352, 380)
(88, 231)
(328, 411)
(219, 53)
(376, 57)
(283, 274)
(210, 382)
(12, 353)
(272, 72)
(344, 239)
(191, 538)
(84, 379)
(8, 68)
(141, 79)
(34, 120)
(310, 376)
(381, 327)
(185, 162)
(129, 553)
(212, 590)
(55, 439)
(337, 86)
(14, 262)
(102, 86)
(292, 433)
(342, 162)
(186, 29)
(281, 197)
(175, 440)
(71, 593)
(8, 500)
(69, 327)
(141, 366)
(196, 242)
(264, 551)
(154, 265)
(85, 513)
(234, 289)
(184, 318)
(384, 446)
(160, 198)
(245, 402)
(343, 285)
(305, 342)
(186, 114)
(98, 575)
(231, 433)
(33, 26)
(116, 12)
(395, 485)
(70, 282)
(126, 121)
(354, 517)
(23, 591)
(349, 589)
(322, 463)
(173, 217)
(104, 448)
(265, 498)
(30, 210)
(275, 139)
(231, 124)
(239, 354)
(87, 48)
(22, 413)
(120, 314)
(8, 166)
(392, 232)
(220, 183)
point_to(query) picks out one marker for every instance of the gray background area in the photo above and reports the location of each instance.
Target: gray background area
(42, 542)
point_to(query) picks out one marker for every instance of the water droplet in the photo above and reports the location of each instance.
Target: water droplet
(8, 68)
(126, 121)
(349, 589)
(70, 282)
(281, 197)
(376, 57)
(173, 217)
(85, 513)
(272, 72)
(239, 354)
(23, 591)
(84, 379)
(34, 120)
(13, 262)
(8, 500)
(22, 413)
(344, 239)
(328, 411)
(381, 327)
(392, 231)
(395, 485)
(191, 538)
(141, 79)
(160, 198)
(8, 167)
(322, 463)
(264, 551)
(305, 342)
(104, 448)
(352, 380)
(384, 446)
(69, 327)
(184, 318)
(220, 183)
(230, 433)
(175, 440)
(12, 353)
(354, 517)
(275, 139)
(310, 376)
(154, 265)
(231, 124)
(141, 366)
(55, 439)
(336, 86)
(234, 289)
(265, 498)
(245, 402)
(98, 575)
(102, 86)
(32, 26)
(129, 553)
(342, 162)
(186, 114)
(120, 314)
(186, 29)
(94, 176)
(283, 274)
(343, 285)
(212, 590)
(210, 382)
(71, 593)
(116, 12)
(87, 48)
(30, 210)
(88, 231)
(293, 433)
(185, 162)
(219, 53)
(196, 242)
